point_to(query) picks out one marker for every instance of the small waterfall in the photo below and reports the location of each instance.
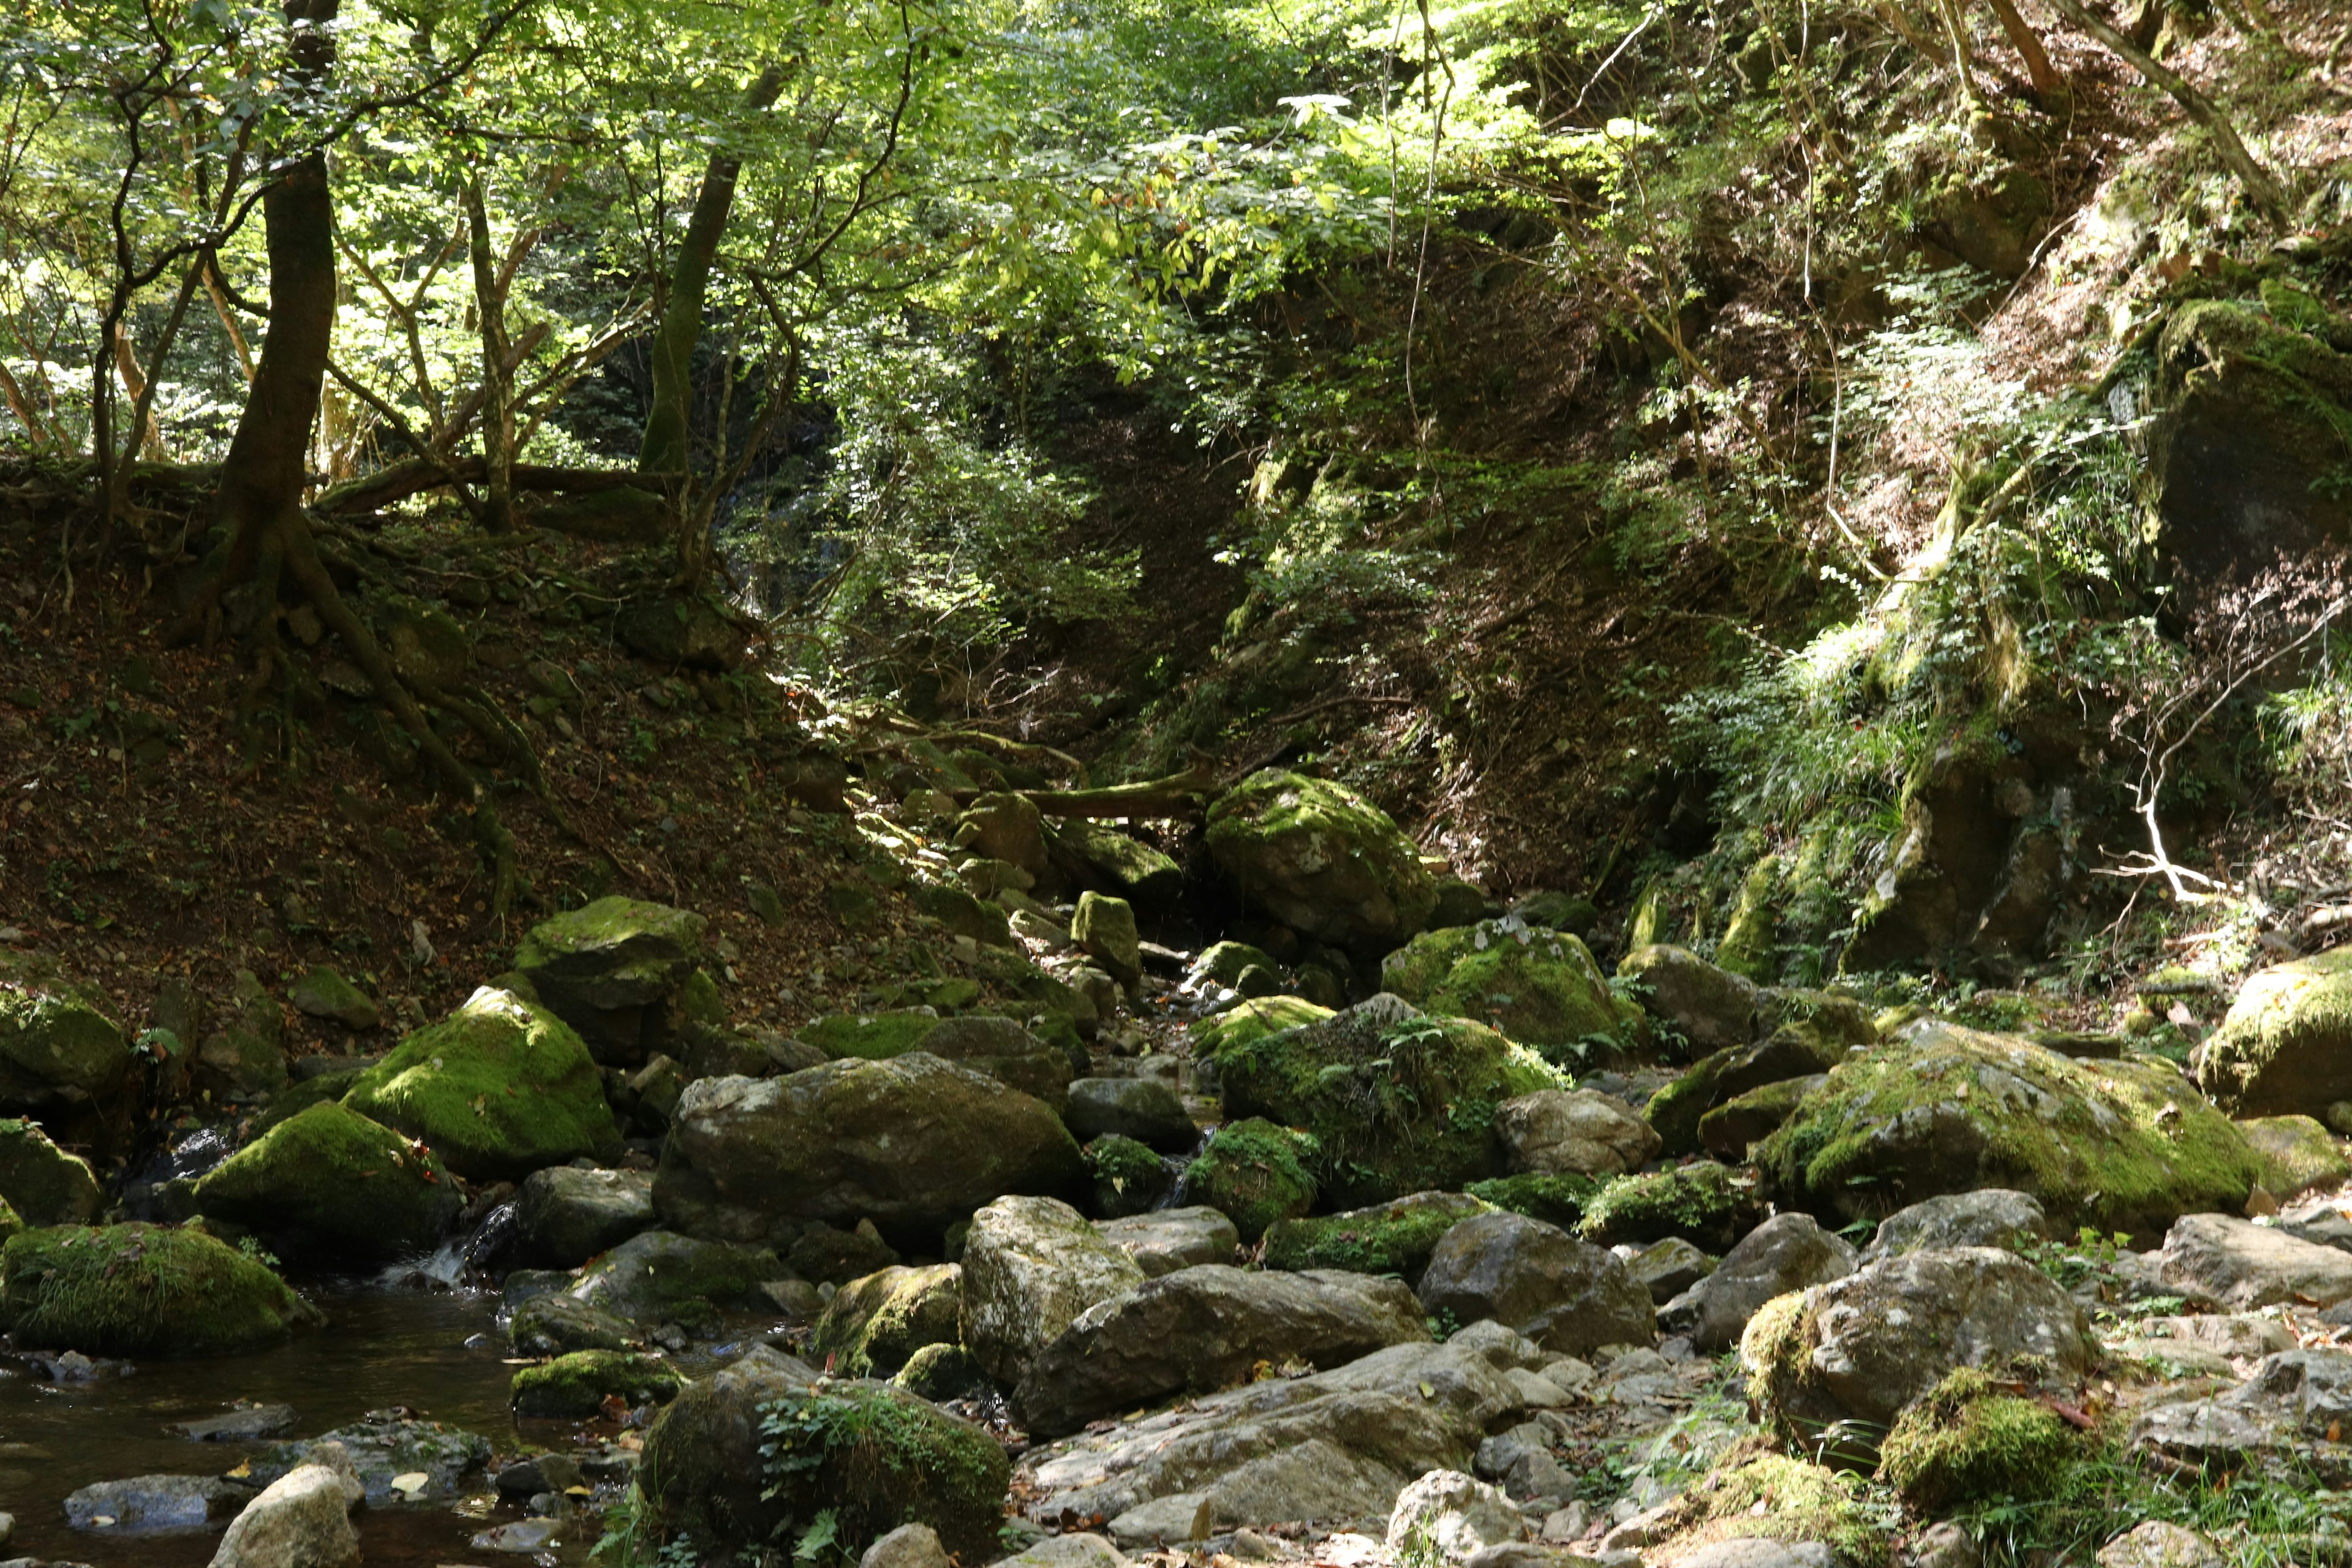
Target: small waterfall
(464, 1261)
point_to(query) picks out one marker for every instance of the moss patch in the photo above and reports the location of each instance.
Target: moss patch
(874, 1324)
(1392, 1239)
(1699, 1202)
(1554, 1198)
(41, 1182)
(1673, 1112)
(142, 1289)
(2286, 1045)
(331, 1181)
(2123, 1145)
(1128, 1176)
(1776, 1498)
(1255, 1173)
(874, 1037)
(2296, 1152)
(1322, 860)
(1252, 1020)
(1401, 1107)
(574, 1387)
(877, 1457)
(1540, 987)
(1970, 1439)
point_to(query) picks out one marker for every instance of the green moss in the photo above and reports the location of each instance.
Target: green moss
(2297, 1154)
(574, 1387)
(1700, 1202)
(874, 1037)
(41, 1182)
(142, 1289)
(1751, 944)
(877, 1457)
(1255, 1173)
(2122, 1146)
(498, 1088)
(334, 1180)
(1729, 1129)
(1776, 1498)
(296, 1098)
(625, 940)
(1776, 1354)
(1223, 962)
(1540, 988)
(874, 1324)
(1392, 1239)
(1321, 858)
(1261, 1016)
(2301, 1011)
(1395, 1108)
(1673, 1112)
(941, 1372)
(1972, 1439)
(657, 1276)
(1554, 1198)
(1130, 1176)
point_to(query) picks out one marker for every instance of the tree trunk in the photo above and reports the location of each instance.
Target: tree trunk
(663, 448)
(2049, 87)
(498, 408)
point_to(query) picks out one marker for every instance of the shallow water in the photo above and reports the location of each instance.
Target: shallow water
(380, 1348)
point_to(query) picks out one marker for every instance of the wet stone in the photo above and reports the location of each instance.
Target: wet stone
(240, 1424)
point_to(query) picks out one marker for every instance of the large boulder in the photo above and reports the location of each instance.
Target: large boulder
(1709, 1008)
(1863, 1347)
(1001, 1048)
(2123, 1145)
(1582, 1132)
(1104, 928)
(2297, 1153)
(1389, 1238)
(1144, 1109)
(41, 1182)
(1564, 1294)
(498, 1088)
(1031, 1267)
(142, 1289)
(397, 1456)
(2235, 1263)
(704, 1480)
(1704, 1203)
(1337, 1446)
(1203, 1329)
(2278, 1419)
(873, 1326)
(1397, 1102)
(576, 1384)
(1256, 1173)
(331, 1183)
(1165, 1240)
(1540, 988)
(1322, 860)
(655, 1273)
(2286, 1046)
(564, 1215)
(1994, 1217)
(62, 1060)
(913, 1143)
(622, 972)
(301, 1520)
(1788, 1252)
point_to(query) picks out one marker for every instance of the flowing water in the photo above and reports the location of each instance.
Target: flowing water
(380, 1347)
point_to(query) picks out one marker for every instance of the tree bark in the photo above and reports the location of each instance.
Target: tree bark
(497, 408)
(2049, 87)
(664, 447)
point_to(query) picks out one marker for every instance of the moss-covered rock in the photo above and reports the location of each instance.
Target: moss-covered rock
(874, 1457)
(1223, 962)
(1129, 1178)
(574, 1387)
(653, 1275)
(2123, 1145)
(1255, 1173)
(1247, 1021)
(1103, 927)
(1773, 1497)
(870, 1036)
(1702, 1202)
(1148, 876)
(2285, 1048)
(1675, 1111)
(334, 1183)
(1398, 1102)
(618, 971)
(43, 1184)
(1322, 860)
(1392, 1239)
(874, 1325)
(941, 1372)
(1540, 988)
(2297, 1154)
(1974, 1439)
(498, 1088)
(62, 1059)
(1727, 1131)
(142, 1289)
(1554, 1199)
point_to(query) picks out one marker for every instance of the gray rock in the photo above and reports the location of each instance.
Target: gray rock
(383, 1446)
(1448, 1515)
(1104, 927)
(302, 1519)
(240, 1424)
(1071, 1549)
(1787, 1252)
(914, 1143)
(1521, 1462)
(1165, 1240)
(1944, 1545)
(1863, 1347)
(1335, 1446)
(1669, 1268)
(526, 1478)
(558, 1324)
(616, 971)
(1031, 1266)
(702, 1468)
(1203, 1328)
(1143, 1109)
(153, 1502)
(2160, 1544)
(1710, 1007)
(909, 1546)
(1566, 1295)
(524, 1536)
(564, 1217)
(646, 1278)
(1755, 1552)
(1006, 1052)
(2322, 1222)
(2287, 1406)
(1994, 1217)
(322, 993)
(2238, 1264)
(1580, 1133)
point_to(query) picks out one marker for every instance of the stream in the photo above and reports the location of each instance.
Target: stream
(380, 1347)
